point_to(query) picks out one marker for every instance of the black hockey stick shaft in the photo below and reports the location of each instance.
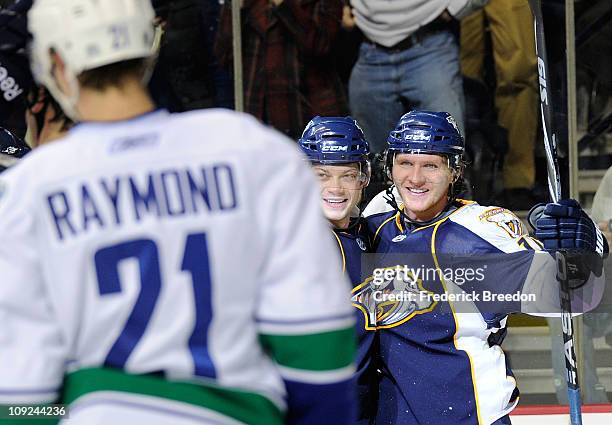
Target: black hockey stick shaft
(554, 187)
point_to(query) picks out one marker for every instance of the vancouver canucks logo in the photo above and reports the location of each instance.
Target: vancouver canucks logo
(504, 219)
(391, 299)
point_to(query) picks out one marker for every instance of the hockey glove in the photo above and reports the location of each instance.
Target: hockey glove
(565, 225)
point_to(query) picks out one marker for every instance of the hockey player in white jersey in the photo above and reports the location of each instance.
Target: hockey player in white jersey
(145, 275)
(429, 229)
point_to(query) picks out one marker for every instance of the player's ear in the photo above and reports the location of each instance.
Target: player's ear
(58, 69)
(455, 174)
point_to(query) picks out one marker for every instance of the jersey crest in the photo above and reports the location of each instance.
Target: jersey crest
(392, 299)
(504, 219)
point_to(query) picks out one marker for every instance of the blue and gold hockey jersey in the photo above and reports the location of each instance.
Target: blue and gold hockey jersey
(441, 359)
(353, 243)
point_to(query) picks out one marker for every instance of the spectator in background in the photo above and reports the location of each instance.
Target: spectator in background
(15, 77)
(23, 104)
(186, 75)
(516, 94)
(409, 59)
(288, 72)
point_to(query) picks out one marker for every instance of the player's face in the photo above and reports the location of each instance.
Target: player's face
(422, 181)
(340, 190)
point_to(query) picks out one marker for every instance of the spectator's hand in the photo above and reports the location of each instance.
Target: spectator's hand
(606, 229)
(348, 20)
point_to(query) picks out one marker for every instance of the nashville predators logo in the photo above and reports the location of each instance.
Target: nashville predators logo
(391, 299)
(506, 220)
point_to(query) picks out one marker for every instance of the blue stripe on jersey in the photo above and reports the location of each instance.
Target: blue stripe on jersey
(305, 321)
(353, 243)
(330, 404)
(10, 391)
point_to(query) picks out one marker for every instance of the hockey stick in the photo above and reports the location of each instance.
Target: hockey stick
(554, 187)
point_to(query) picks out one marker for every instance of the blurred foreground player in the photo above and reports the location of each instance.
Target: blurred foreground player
(11, 149)
(470, 381)
(144, 277)
(338, 152)
(45, 118)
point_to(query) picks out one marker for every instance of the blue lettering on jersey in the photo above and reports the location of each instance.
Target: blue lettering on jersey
(144, 197)
(117, 200)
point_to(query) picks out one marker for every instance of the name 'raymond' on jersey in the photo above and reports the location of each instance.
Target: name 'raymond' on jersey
(153, 246)
(124, 200)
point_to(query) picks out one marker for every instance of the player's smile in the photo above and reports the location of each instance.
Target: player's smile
(336, 203)
(417, 192)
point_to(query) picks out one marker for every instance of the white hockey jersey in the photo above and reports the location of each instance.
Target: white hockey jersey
(155, 267)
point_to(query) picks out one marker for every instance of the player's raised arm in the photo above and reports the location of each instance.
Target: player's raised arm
(304, 312)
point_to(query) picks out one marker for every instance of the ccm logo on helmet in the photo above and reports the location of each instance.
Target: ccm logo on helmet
(333, 148)
(9, 89)
(418, 137)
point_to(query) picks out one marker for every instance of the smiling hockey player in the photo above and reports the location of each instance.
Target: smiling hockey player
(338, 152)
(144, 275)
(441, 365)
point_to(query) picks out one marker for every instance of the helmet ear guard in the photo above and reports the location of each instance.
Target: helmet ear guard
(368, 172)
(388, 158)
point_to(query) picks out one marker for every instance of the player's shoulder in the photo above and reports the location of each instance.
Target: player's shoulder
(36, 162)
(235, 129)
(481, 217)
(18, 181)
(496, 225)
(379, 205)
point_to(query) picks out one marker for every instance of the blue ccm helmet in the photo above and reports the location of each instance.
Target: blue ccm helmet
(334, 140)
(426, 132)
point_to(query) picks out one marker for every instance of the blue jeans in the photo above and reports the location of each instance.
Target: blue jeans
(385, 85)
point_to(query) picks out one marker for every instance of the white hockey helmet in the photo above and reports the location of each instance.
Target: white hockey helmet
(87, 34)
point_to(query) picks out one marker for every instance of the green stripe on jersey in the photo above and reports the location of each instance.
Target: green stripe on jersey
(324, 351)
(247, 407)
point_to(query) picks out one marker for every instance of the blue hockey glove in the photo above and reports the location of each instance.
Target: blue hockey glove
(565, 225)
